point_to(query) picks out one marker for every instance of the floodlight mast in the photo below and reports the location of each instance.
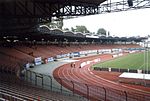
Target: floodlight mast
(147, 48)
(144, 69)
(146, 57)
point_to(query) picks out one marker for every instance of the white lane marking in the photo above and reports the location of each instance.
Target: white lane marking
(117, 83)
(92, 73)
(89, 69)
(68, 61)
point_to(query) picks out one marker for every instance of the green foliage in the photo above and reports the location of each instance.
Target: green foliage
(101, 31)
(108, 33)
(60, 23)
(56, 23)
(72, 29)
(82, 29)
(131, 61)
(66, 29)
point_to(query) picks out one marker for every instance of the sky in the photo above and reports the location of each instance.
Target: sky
(122, 24)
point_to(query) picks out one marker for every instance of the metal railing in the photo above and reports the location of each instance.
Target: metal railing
(49, 83)
(91, 92)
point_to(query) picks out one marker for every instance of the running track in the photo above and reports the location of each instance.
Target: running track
(84, 82)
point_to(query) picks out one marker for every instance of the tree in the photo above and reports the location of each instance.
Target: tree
(60, 23)
(56, 23)
(101, 31)
(108, 33)
(53, 25)
(92, 33)
(82, 29)
(72, 29)
(66, 29)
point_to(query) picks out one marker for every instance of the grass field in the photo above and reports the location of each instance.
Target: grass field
(131, 61)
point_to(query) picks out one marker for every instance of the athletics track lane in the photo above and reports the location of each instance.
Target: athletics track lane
(79, 77)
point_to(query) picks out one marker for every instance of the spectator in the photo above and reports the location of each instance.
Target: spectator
(71, 65)
(74, 65)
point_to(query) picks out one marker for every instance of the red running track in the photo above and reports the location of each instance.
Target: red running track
(84, 82)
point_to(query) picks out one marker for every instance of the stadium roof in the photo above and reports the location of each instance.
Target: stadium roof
(62, 37)
(24, 15)
(95, 2)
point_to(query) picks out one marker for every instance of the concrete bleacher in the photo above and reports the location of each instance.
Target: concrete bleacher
(12, 52)
(16, 90)
(22, 53)
(12, 58)
(8, 63)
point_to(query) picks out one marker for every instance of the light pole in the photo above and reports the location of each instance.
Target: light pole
(146, 59)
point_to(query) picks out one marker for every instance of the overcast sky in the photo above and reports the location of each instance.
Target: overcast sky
(126, 23)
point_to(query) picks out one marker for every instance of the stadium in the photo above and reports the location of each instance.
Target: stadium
(43, 64)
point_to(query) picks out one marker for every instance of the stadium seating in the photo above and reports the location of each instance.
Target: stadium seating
(21, 54)
(17, 90)
(13, 58)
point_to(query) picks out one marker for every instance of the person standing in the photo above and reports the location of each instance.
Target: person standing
(71, 65)
(74, 65)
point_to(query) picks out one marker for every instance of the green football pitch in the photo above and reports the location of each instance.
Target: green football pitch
(130, 61)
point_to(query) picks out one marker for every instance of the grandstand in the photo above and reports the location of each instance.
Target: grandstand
(16, 90)
(25, 44)
(27, 52)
